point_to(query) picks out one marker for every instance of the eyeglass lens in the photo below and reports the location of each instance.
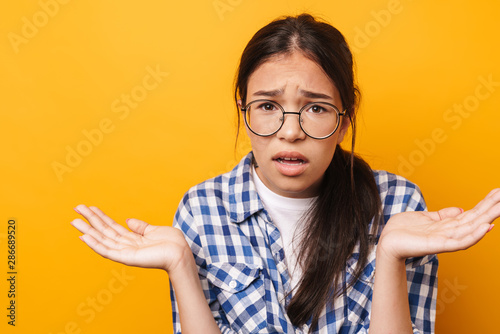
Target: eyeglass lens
(317, 119)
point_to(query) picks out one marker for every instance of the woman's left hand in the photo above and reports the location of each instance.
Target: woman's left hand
(419, 233)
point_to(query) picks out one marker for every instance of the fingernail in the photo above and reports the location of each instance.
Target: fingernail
(461, 210)
(76, 210)
(81, 238)
(491, 227)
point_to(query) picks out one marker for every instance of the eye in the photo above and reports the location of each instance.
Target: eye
(316, 109)
(267, 106)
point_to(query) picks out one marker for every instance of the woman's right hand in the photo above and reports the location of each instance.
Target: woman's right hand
(150, 246)
(147, 246)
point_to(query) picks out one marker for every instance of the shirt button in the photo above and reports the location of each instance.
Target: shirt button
(232, 284)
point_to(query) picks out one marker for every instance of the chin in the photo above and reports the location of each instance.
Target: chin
(297, 192)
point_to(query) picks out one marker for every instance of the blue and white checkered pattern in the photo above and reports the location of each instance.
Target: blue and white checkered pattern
(242, 264)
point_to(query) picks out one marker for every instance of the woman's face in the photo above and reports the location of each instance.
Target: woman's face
(293, 80)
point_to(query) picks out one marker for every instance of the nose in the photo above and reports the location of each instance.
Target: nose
(291, 130)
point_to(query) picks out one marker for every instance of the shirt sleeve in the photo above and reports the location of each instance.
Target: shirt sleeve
(421, 272)
(185, 221)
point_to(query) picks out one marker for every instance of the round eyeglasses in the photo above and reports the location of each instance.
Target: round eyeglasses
(318, 120)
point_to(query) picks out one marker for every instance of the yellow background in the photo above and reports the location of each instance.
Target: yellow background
(68, 75)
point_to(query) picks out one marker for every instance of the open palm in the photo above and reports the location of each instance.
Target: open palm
(412, 234)
(145, 245)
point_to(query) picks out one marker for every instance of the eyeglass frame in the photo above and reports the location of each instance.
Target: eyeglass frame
(339, 113)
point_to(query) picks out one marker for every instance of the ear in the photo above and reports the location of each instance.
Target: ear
(343, 127)
(240, 105)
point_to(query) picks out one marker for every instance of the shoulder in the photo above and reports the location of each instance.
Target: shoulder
(224, 185)
(387, 181)
(213, 190)
(228, 195)
(398, 194)
(211, 216)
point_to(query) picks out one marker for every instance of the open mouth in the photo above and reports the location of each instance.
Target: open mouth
(291, 161)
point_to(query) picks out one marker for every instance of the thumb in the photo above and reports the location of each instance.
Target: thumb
(137, 226)
(449, 212)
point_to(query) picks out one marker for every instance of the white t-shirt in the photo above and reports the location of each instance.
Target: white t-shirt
(286, 213)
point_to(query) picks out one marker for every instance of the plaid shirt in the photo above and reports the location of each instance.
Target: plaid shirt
(242, 266)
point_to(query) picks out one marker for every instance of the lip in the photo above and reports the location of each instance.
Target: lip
(290, 155)
(290, 163)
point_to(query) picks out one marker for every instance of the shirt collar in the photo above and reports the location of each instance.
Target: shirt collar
(243, 198)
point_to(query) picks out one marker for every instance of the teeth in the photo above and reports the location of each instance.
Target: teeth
(284, 161)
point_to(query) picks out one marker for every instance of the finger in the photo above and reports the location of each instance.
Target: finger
(111, 223)
(137, 226)
(85, 228)
(464, 235)
(103, 250)
(97, 222)
(466, 240)
(485, 212)
(82, 226)
(491, 200)
(449, 212)
(442, 214)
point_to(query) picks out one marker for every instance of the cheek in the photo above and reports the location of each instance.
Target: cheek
(326, 152)
(259, 144)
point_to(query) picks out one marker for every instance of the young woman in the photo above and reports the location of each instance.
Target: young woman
(301, 236)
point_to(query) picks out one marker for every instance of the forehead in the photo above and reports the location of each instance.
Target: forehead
(291, 72)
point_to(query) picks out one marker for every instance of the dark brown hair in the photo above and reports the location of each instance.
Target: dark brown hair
(348, 198)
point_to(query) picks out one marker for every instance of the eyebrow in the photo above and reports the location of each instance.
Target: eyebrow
(314, 95)
(306, 93)
(270, 93)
